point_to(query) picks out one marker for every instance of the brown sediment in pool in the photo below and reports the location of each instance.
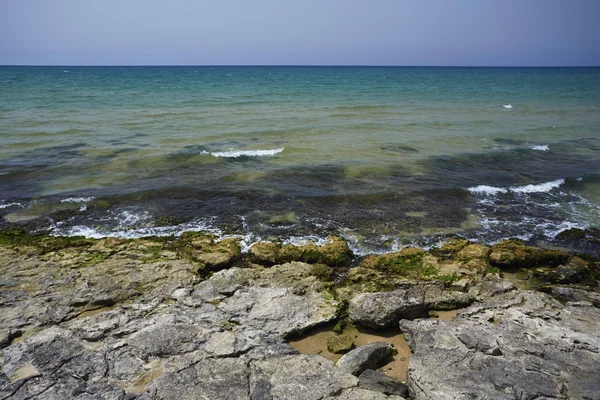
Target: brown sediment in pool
(444, 315)
(315, 342)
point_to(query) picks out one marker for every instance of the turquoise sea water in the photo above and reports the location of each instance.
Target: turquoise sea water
(383, 156)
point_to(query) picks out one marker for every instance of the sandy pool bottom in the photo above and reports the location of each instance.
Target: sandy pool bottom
(315, 342)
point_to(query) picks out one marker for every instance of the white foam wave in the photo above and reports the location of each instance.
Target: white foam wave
(231, 153)
(77, 199)
(552, 230)
(508, 106)
(6, 205)
(539, 188)
(160, 231)
(544, 147)
(487, 190)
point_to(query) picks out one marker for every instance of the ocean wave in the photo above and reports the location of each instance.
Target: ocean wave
(487, 190)
(539, 188)
(135, 233)
(231, 153)
(507, 106)
(6, 205)
(77, 199)
(544, 147)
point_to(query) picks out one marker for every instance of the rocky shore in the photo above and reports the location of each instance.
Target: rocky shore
(191, 317)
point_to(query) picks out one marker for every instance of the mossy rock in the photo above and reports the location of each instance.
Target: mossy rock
(473, 251)
(322, 272)
(513, 253)
(335, 253)
(264, 253)
(340, 344)
(453, 246)
(572, 234)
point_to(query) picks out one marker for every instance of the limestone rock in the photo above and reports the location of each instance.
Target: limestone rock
(297, 377)
(517, 345)
(211, 378)
(362, 394)
(439, 298)
(491, 285)
(370, 356)
(378, 382)
(569, 294)
(385, 309)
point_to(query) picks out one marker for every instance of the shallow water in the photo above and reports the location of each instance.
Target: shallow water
(383, 156)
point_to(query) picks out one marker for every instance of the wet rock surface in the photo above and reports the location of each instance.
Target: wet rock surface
(193, 317)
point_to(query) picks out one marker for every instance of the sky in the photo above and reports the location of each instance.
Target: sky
(300, 32)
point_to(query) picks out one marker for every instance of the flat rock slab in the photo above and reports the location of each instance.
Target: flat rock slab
(297, 377)
(520, 345)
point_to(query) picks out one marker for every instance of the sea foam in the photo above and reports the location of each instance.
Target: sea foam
(77, 199)
(544, 147)
(507, 106)
(487, 190)
(231, 153)
(539, 188)
(5, 205)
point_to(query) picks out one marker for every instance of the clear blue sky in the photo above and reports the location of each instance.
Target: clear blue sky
(323, 32)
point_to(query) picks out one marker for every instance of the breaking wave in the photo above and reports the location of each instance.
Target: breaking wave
(231, 153)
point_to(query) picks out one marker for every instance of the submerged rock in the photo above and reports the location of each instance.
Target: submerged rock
(340, 344)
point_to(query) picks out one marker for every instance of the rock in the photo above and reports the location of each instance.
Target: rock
(454, 245)
(370, 356)
(362, 394)
(217, 255)
(438, 298)
(378, 382)
(340, 344)
(490, 286)
(279, 310)
(472, 251)
(569, 294)
(385, 309)
(334, 253)
(264, 253)
(225, 344)
(514, 254)
(518, 345)
(407, 257)
(211, 378)
(297, 377)
(163, 339)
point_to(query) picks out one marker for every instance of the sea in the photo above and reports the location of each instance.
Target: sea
(384, 156)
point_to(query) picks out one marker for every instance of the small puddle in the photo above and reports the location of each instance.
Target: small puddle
(315, 342)
(444, 315)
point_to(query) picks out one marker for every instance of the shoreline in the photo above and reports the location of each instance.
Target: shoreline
(160, 318)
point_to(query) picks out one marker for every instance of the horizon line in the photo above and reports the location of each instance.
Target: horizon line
(300, 65)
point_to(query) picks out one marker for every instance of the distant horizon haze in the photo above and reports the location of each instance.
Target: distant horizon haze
(477, 33)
